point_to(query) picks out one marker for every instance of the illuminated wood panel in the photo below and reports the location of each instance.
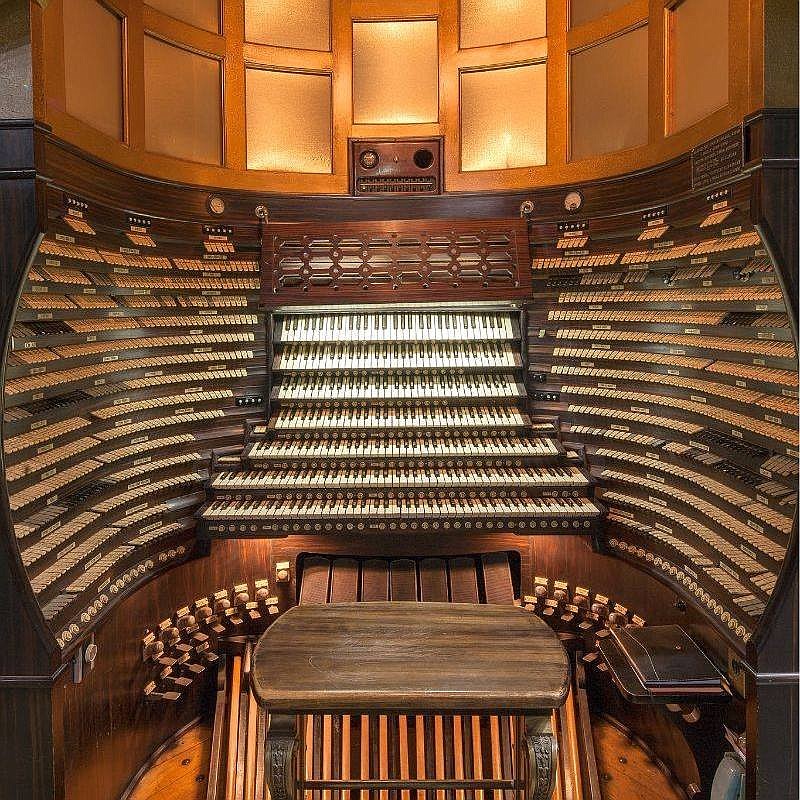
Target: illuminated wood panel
(487, 22)
(302, 24)
(182, 103)
(202, 14)
(697, 41)
(583, 11)
(608, 102)
(504, 117)
(93, 65)
(279, 104)
(408, 88)
(395, 72)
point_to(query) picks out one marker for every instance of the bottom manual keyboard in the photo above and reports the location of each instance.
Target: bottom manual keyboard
(404, 511)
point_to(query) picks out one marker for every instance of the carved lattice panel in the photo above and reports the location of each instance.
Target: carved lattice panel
(395, 261)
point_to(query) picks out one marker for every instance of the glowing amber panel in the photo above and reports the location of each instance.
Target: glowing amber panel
(200, 13)
(301, 24)
(289, 121)
(93, 65)
(583, 11)
(698, 60)
(183, 105)
(485, 22)
(395, 72)
(504, 117)
(608, 95)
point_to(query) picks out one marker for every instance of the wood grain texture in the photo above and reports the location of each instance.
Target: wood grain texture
(627, 771)
(409, 657)
(180, 772)
(395, 261)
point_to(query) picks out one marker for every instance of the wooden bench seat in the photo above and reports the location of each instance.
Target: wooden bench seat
(399, 747)
(391, 746)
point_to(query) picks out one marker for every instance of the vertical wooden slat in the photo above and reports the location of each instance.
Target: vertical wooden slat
(506, 750)
(241, 747)
(430, 751)
(438, 742)
(261, 785)
(308, 763)
(233, 728)
(336, 752)
(405, 774)
(383, 753)
(251, 744)
(317, 752)
(458, 755)
(218, 740)
(469, 770)
(477, 753)
(347, 721)
(365, 746)
(497, 765)
(326, 745)
(419, 730)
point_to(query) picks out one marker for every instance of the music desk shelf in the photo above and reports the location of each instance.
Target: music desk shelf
(681, 672)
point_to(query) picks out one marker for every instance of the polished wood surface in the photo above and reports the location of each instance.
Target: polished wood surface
(747, 59)
(395, 261)
(108, 708)
(180, 770)
(410, 657)
(627, 770)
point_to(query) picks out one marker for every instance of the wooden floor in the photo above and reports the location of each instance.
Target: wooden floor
(626, 771)
(181, 771)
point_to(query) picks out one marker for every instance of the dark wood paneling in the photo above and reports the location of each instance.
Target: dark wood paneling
(27, 725)
(773, 693)
(395, 261)
(110, 728)
(97, 181)
(26, 661)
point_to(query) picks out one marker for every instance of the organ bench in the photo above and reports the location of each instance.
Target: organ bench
(411, 663)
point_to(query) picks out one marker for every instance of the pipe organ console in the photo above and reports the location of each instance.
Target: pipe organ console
(331, 459)
(590, 414)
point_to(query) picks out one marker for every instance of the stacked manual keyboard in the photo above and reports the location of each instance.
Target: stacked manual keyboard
(387, 419)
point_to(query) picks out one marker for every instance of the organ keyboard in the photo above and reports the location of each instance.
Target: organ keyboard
(397, 355)
(433, 324)
(410, 419)
(549, 479)
(401, 386)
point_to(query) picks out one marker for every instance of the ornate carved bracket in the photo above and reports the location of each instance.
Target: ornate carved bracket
(541, 750)
(281, 746)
